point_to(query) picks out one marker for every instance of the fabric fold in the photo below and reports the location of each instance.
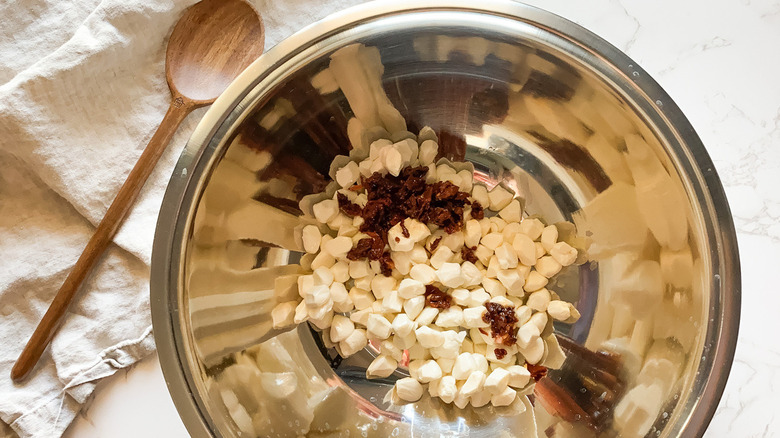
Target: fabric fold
(82, 90)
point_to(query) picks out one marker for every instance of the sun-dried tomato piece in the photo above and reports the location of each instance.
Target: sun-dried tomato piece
(361, 249)
(348, 207)
(502, 320)
(435, 244)
(537, 371)
(404, 230)
(500, 353)
(386, 264)
(468, 254)
(392, 199)
(435, 298)
(477, 211)
(371, 247)
(445, 190)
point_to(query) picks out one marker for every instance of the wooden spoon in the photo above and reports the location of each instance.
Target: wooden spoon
(211, 44)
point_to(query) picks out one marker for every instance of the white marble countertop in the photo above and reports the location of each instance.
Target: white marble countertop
(718, 60)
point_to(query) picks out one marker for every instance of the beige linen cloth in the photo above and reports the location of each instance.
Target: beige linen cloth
(82, 89)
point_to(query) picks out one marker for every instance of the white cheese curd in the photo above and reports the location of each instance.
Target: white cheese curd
(408, 389)
(414, 306)
(527, 333)
(423, 274)
(504, 398)
(361, 299)
(450, 275)
(450, 349)
(539, 300)
(325, 210)
(405, 342)
(474, 383)
(540, 320)
(478, 297)
(322, 276)
(359, 269)
(311, 238)
(283, 314)
(441, 256)
(355, 342)
(471, 274)
(402, 260)
(464, 365)
(480, 399)
(348, 175)
(317, 296)
(341, 327)
(461, 296)
(548, 266)
(532, 228)
(472, 317)
(381, 366)
(452, 317)
(512, 281)
(534, 351)
(506, 256)
(426, 316)
(549, 237)
(381, 286)
(523, 314)
(447, 389)
(497, 380)
(340, 271)
(519, 376)
(492, 240)
(378, 327)
(559, 310)
(392, 303)
(428, 337)
(445, 364)
(301, 313)
(429, 371)
(563, 253)
(512, 212)
(402, 324)
(525, 249)
(535, 281)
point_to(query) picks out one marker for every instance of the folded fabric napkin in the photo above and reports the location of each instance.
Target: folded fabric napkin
(82, 89)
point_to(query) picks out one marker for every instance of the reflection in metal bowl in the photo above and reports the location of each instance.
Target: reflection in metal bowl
(535, 103)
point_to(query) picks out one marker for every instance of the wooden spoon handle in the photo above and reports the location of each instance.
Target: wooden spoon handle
(105, 231)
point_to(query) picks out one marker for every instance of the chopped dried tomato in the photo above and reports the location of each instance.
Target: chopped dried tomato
(537, 371)
(348, 207)
(404, 230)
(386, 264)
(477, 211)
(500, 353)
(391, 199)
(371, 247)
(502, 320)
(435, 244)
(435, 298)
(468, 254)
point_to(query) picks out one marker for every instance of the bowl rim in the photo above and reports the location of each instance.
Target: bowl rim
(184, 185)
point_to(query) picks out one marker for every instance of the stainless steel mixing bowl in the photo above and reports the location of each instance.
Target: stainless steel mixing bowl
(535, 102)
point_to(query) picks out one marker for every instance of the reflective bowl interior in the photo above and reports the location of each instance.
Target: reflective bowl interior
(535, 103)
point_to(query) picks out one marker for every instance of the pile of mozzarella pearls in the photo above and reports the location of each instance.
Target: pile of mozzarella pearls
(452, 350)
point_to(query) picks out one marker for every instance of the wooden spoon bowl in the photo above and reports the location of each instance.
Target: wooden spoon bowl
(211, 44)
